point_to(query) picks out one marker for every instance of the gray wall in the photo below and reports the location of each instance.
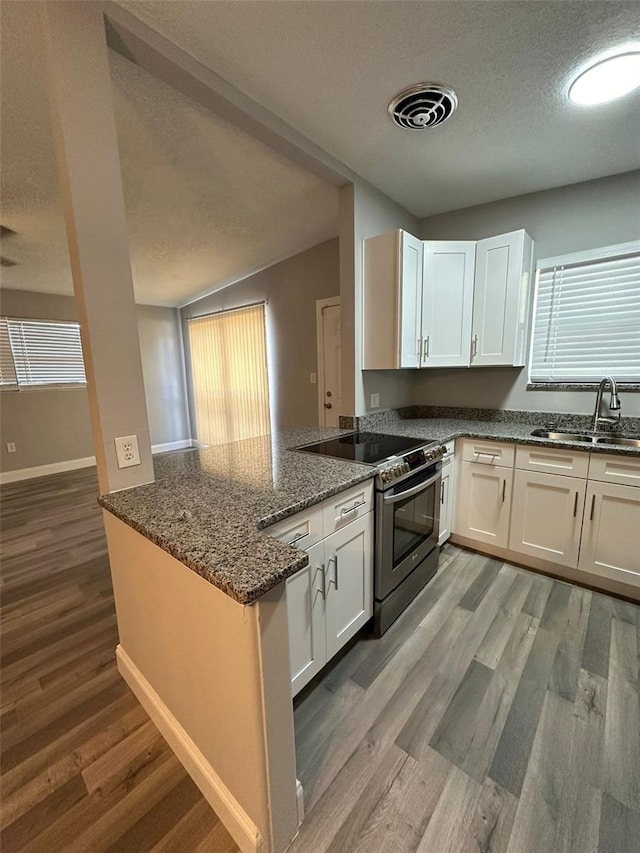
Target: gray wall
(566, 219)
(53, 425)
(364, 213)
(291, 289)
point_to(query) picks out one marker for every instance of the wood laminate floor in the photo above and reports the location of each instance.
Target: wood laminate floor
(83, 766)
(501, 713)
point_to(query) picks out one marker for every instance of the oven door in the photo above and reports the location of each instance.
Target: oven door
(407, 520)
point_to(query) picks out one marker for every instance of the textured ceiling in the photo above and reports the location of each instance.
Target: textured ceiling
(206, 204)
(329, 69)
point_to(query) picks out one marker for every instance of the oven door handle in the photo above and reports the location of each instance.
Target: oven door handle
(394, 499)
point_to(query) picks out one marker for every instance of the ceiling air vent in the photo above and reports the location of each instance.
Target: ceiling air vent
(423, 106)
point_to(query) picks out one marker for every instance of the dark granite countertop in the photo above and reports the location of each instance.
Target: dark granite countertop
(447, 429)
(208, 508)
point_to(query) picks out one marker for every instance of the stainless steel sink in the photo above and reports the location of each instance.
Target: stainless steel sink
(588, 438)
(619, 439)
(562, 436)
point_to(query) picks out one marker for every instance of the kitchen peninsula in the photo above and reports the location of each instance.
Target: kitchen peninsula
(201, 601)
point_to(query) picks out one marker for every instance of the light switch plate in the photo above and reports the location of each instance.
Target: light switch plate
(127, 451)
(313, 379)
(375, 401)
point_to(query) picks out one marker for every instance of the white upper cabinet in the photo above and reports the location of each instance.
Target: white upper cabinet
(410, 291)
(392, 301)
(501, 300)
(447, 302)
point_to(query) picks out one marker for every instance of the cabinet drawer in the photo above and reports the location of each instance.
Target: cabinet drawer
(303, 529)
(552, 460)
(488, 452)
(624, 470)
(345, 507)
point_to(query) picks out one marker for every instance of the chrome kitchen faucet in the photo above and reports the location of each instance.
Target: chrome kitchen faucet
(614, 404)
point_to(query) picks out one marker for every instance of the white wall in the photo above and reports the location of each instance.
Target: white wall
(566, 219)
(364, 213)
(52, 425)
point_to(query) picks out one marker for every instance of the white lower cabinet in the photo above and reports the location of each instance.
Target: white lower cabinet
(305, 612)
(349, 582)
(547, 516)
(610, 544)
(484, 498)
(330, 599)
(446, 502)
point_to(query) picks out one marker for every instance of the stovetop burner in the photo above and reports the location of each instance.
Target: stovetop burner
(369, 447)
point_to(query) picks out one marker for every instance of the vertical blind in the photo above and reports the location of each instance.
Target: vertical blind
(587, 321)
(229, 374)
(37, 353)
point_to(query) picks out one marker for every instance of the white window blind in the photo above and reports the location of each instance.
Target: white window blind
(38, 353)
(229, 375)
(587, 320)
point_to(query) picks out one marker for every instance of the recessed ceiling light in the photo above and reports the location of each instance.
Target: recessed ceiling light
(607, 80)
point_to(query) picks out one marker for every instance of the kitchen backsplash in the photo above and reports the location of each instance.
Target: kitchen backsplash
(379, 421)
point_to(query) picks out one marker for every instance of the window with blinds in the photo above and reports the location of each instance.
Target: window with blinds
(229, 374)
(587, 317)
(40, 353)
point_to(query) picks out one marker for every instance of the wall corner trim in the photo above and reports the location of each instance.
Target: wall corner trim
(240, 826)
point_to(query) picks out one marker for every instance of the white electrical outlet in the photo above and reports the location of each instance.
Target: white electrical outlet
(313, 379)
(11, 447)
(375, 401)
(127, 451)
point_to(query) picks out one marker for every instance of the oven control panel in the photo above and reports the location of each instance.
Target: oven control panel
(410, 462)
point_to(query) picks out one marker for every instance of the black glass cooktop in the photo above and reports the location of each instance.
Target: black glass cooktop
(370, 447)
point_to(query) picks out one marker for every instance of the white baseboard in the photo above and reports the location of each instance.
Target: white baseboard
(172, 445)
(240, 826)
(85, 462)
(45, 470)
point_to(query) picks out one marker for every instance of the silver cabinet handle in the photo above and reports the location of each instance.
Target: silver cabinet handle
(334, 560)
(575, 505)
(298, 538)
(419, 350)
(504, 489)
(353, 508)
(593, 506)
(323, 588)
(425, 354)
(491, 456)
(442, 491)
(474, 346)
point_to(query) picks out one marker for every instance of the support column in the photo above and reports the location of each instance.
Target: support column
(91, 185)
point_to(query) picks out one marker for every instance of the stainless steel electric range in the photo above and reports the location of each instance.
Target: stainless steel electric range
(407, 513)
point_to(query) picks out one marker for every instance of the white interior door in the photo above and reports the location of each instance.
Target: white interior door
(329, 361)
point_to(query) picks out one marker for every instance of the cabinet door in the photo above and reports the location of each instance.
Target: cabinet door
(306, 615)
(483, 501)
(610, 544)
(349, 605)
(496, 300)
(447, 302)
(446, 503)
(410, 287)
(546, 518)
